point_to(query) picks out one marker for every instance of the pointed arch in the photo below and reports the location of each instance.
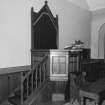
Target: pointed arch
(101, 42)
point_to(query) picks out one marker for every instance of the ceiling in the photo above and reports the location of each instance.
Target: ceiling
(91, 5)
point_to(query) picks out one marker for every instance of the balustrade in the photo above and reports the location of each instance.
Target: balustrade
(33, 79)
(29, 83)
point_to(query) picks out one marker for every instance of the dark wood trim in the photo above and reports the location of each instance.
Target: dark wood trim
(16, 69)
(44, 13)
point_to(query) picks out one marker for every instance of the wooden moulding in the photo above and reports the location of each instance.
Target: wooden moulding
(9, 70)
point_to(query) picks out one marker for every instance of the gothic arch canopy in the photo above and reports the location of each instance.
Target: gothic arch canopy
(44, 29)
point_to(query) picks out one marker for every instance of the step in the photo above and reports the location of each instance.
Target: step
(15, 100)
(52, 103)
(6, 103)
(58, 97)
(18, 93)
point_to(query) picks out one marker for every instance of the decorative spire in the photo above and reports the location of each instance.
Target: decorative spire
(46, 2)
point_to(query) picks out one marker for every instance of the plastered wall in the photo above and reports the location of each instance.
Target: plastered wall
(15, 28)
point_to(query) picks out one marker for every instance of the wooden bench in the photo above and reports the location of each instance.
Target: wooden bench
(94, 91)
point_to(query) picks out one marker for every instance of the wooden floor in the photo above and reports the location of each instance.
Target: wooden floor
(47, 103)
(55, 95)
(6, 103)
(53, 103)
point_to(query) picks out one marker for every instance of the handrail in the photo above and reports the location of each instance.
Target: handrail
(33, 79)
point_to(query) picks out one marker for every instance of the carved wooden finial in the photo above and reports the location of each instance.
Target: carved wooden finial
(46, 2)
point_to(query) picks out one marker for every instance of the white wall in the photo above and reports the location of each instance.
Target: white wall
(80, 3)
(15, 34)
(74, 23)
(97, 21)
(96, 4)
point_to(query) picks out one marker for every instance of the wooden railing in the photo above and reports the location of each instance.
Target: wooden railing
(33, 79)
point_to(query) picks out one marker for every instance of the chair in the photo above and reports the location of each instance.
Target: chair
(94, 92)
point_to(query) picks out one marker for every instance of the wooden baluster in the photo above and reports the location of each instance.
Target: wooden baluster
(27, 85)
(21, 88)
(44, 72)
(72, 70)
(42, 76)
(24, 89)
(69, 70)
(36, 78)
(77, 63)
(73, 63)
(30, 83)
(82, 100)
(40, 70)
(32, 80)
